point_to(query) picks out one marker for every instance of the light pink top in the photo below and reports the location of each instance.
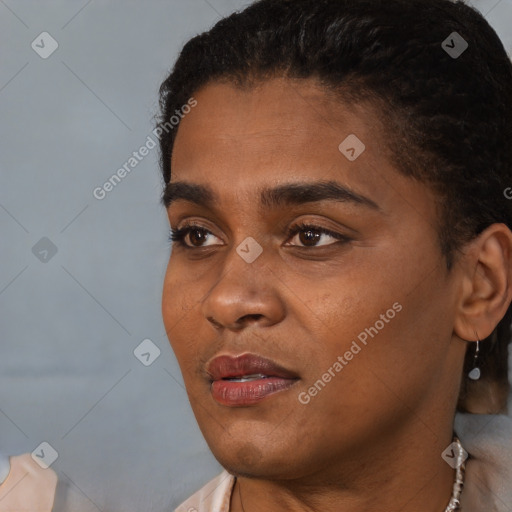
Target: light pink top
(215, 496)
(28, 487)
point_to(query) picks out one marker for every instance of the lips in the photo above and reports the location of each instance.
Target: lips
(226, 367)
(246, 379)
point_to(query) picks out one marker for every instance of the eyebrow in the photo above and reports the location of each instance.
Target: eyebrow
(283, 195)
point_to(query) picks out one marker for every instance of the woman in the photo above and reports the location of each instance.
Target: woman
(340, 278)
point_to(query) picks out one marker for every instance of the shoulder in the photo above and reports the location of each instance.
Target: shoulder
(215, 496)
(29, 484)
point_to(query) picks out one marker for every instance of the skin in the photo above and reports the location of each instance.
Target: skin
(372, 438)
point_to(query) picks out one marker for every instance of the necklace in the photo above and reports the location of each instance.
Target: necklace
(454, 504)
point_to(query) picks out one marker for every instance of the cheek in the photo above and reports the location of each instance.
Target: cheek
(374, 384)
(390, 322)
(179, 308)
(182, 293)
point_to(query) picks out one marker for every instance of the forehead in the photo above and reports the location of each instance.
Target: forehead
(275, 103)
(274, 125)
(280, 131)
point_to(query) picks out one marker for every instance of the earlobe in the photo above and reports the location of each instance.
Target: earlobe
(487, 283)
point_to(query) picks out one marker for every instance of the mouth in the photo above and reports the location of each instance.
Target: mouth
(246, 379)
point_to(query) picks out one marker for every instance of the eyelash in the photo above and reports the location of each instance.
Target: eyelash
(178, 235)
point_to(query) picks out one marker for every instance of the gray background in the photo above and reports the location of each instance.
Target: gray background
(124, 432)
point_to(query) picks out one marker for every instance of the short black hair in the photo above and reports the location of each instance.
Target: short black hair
(447, 114)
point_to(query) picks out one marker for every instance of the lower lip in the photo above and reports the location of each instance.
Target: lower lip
(234, 394)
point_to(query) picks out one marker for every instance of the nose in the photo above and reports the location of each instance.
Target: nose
(245, 295)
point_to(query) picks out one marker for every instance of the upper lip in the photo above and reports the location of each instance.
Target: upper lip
(227, 366)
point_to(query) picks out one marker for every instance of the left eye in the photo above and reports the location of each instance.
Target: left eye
(309, 235)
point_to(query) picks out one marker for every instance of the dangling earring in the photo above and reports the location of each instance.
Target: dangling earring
(474, 374)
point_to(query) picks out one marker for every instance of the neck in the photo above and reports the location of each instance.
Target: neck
(397, 474)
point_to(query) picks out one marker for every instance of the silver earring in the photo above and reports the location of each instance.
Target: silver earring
(474, 374)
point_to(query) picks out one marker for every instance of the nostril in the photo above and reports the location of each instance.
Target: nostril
(250, 318)
(214, 322)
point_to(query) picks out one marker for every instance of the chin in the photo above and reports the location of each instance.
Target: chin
(252, 442)
(250, 460)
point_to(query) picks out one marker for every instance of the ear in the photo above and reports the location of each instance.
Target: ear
(486, 286)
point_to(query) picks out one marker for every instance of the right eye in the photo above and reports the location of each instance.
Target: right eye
(196, 235)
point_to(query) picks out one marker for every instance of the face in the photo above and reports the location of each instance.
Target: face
(345, 323)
